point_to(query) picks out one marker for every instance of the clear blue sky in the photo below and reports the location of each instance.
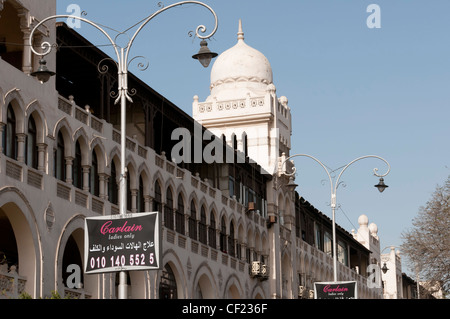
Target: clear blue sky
(353, 90)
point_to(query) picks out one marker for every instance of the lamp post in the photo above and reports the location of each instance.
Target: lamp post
(124, 95)
(333, 187)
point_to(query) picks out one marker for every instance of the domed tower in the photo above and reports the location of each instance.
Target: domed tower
(367, 235)
(243, 107)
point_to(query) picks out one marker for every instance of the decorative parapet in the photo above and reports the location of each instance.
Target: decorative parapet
(230, 105)
(11, 284)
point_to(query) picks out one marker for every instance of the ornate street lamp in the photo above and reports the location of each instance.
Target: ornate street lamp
(204, 55)
(381, 185)
(43, 74)
(333, 187)
(123, 95)
(384, 269)
(291, 185)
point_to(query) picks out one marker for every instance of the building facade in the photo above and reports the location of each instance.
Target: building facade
(231, 228)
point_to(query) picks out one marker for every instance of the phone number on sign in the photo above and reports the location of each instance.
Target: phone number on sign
(122, 261)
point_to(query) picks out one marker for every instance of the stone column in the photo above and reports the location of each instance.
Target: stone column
(21, 137)
(69, 163)
(86, 170)
(147, 203)
(25, 28)
(103, 186)
(42, 147)
(134, 193)
(1, 124)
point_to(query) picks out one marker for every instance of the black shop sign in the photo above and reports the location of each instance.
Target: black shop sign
(122, 243)
(336, 290)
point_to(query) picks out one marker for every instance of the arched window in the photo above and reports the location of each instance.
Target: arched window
(71, 256)
(168, 284)
(202, 227)
(59, 167)
(231, 248)
(140, 202)
(31, 156)
(223, 235)
(157, 201)
(168, 209)
(113, 187)
(9, 135)
(193, 222)
(212, 230)
(77, 171)
(179, 216)
(94, 178)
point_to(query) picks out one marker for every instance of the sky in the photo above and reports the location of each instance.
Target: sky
(354, 88)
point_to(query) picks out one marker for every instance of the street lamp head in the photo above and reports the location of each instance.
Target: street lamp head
(43, 74)
(381, 185)
(204, 55)
(384, 269)
(291, 185)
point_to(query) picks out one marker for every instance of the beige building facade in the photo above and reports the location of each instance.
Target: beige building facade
(222, 237)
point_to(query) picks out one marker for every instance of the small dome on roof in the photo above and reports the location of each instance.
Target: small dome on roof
(363, 220)
(240, 67)
(373, 228)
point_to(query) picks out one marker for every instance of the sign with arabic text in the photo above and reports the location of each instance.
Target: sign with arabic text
(122, 243)
(336, 290)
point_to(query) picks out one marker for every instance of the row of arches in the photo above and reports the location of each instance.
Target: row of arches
(17, 217)
(71, 156)
(90, 165)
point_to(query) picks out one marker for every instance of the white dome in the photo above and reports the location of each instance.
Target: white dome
(373, 228)
(240, 67)
(363, 220)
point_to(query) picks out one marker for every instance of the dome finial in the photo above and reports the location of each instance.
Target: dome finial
(240, 32)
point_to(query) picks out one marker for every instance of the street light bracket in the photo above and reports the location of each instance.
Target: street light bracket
(333, 188)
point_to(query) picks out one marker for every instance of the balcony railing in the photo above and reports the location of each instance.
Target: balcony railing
(11, 284)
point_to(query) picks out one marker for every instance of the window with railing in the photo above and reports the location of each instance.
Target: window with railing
(157, 201)
(31, 149)
(212, 230)
(168, 284)
(140, 202)
(9, 134)
(231, 246)
(94, 178)
(223, 235)
(77, 171)
(179, 216)
(327, 244)
(203, 238)
(342, 253)
(193, 221)
(59, 167)
(168, 209)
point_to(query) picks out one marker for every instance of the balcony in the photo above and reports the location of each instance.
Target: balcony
(259, 270)
(11, 284)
